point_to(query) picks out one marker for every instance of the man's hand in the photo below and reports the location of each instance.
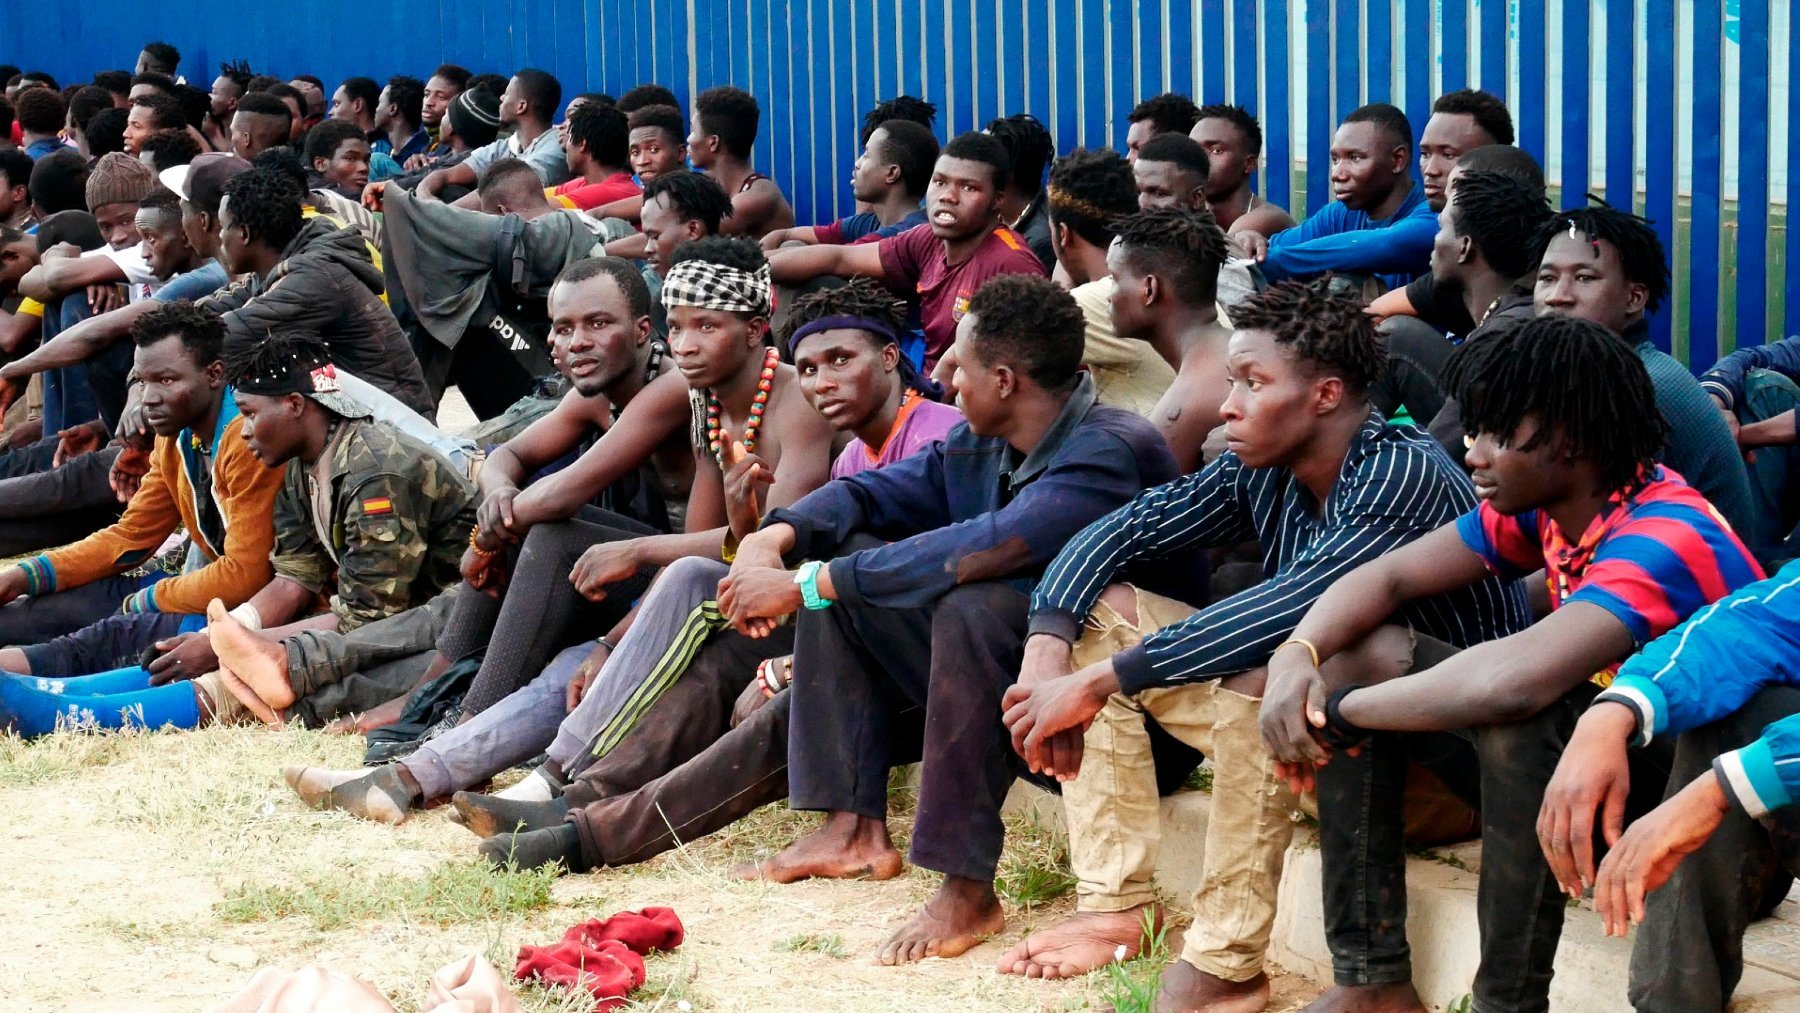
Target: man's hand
(10, 389)
(12, 584)
(128, 471)
(754, 598)
(413, 164)
(484, 572)
(1254, 244)
(187, 656)
(1039, 716)
(1593, 774)
(77, 440)
(763, 549)
(373, 192)
(746, 476)
(1046, 658)
(105, 298)
(604, 565)
(60, 251)
(584, 676)
(1647, 854)
(494, 517)
(1293, 706)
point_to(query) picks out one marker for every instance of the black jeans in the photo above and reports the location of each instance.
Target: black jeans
(57, 506)
(28, 621)
(878, 687)
(1689, 952)
(1504, 770)
(1417, 354)
(117, 641)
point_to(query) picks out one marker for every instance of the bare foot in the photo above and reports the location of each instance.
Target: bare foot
(848, 846)
(1393, 997)
(958, 918)
(1080, 943)
(259, 664)
(247, 696)
(1187, 989)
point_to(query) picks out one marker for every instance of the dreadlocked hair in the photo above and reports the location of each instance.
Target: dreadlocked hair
(1641, 252)
(1501, 214)
(1577, 381)
(861, 297)
(1090, 190)
(1183, 247)
(1330, 331)
(276, 354)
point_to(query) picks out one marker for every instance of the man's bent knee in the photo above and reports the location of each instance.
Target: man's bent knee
(1123, 600)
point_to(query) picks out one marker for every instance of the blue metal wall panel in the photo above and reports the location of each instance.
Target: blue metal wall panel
(817, 65)
(1791, 250)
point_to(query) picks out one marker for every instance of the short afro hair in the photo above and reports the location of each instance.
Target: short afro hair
(1489, 112)
(976, 146)
(40, 111)
(457, 76)
(1504, 159)
(59, 182)
(165, 111)
(363, 89)
(623, 273)
(900, 107)
(1090, 190)
(202, 332)
(15, 167)
(1178, 150)
(88, 102)
(601, 129)
(408, 95)
(325, 138)
(1168, 113)
(732, 115)
(164, 58)
(170, 148)
(1501, 215)
(694, 196)
(1329, 332)
(118, 82)
(646, 95)
(267, 204)
(1183, 247)
(1240, 118)
(542, 92)
(913, 148)
(1029, 150)
(1388, 118)
(1031, 324)
(161, 82)
(266, 103)
(662, 117)
(106, 132)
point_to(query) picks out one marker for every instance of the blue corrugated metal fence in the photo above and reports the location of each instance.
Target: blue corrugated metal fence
(1673, 106)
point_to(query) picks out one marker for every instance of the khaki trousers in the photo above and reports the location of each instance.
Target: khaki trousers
(1113, 814)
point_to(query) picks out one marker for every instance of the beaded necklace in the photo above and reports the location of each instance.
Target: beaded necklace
(715, 427)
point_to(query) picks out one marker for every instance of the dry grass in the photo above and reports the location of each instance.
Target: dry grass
(157, 871)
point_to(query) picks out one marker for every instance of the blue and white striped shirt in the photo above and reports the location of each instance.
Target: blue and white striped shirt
(1395, 485)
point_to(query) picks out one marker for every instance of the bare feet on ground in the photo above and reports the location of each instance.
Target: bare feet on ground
(259, 664)
(1080, 943)
(1187, 989)
(956, 919)
(1394, 997)
(848, 846)
(246, 695)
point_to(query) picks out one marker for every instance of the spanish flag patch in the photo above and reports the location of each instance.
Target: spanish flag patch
(379, 505)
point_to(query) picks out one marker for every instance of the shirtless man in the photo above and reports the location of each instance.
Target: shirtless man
(1233, 142)
(725, 121)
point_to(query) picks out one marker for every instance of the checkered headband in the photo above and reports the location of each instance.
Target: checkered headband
(710, 286)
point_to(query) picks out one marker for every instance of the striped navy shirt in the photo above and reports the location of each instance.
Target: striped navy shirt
(1395, 485)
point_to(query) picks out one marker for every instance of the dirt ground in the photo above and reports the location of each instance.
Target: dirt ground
(140, 861)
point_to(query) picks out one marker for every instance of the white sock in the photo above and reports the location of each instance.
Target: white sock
(535, 788)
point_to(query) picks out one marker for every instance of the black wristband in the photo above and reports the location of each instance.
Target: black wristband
(1339, 732)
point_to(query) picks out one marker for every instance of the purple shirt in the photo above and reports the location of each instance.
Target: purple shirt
(920, 424)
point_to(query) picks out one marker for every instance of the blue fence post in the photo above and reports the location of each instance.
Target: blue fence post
(1532, 60)
(1703, 260)
(1277, 123)
(1753, 175)
(1453, 44)
(1621, 101)
(1212, 50)
(1659, 167)
(1318, 109)
(1575, 104)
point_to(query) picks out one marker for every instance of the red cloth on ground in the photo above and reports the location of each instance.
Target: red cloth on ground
(603, 957)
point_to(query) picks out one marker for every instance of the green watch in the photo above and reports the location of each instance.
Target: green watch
(808, 579)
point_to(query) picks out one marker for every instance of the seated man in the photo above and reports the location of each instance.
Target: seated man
(260, 122)
(724, 134)
(632, 471)
(1171, 172)
(367, 519)
(963, 245)
(1379, 223)
(658, 146)
(527, 108)
(1323, 484)
(1696, 870)
(681, 770)
(202, 478)
(903, 650)
(312, 277)
(1090, 190)
(1755, 390)
(337, 158)
(889, 178)
(1164, 267)
(1023, 208)
(718, 297)
(1566, 435)
(1167, 113)
(1608, 266)
(596, 147)
(1232, 140)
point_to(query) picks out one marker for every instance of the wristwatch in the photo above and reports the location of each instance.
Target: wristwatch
(808, 579)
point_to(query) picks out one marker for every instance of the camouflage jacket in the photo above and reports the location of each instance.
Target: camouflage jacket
(390, 520)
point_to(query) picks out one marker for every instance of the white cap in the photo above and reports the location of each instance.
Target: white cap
(175, 178)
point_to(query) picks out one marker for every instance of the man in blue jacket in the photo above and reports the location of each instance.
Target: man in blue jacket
(904, 646)
(1378, 223)
(1696, 869)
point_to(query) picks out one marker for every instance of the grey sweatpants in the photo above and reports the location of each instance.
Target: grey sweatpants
(660, 643)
